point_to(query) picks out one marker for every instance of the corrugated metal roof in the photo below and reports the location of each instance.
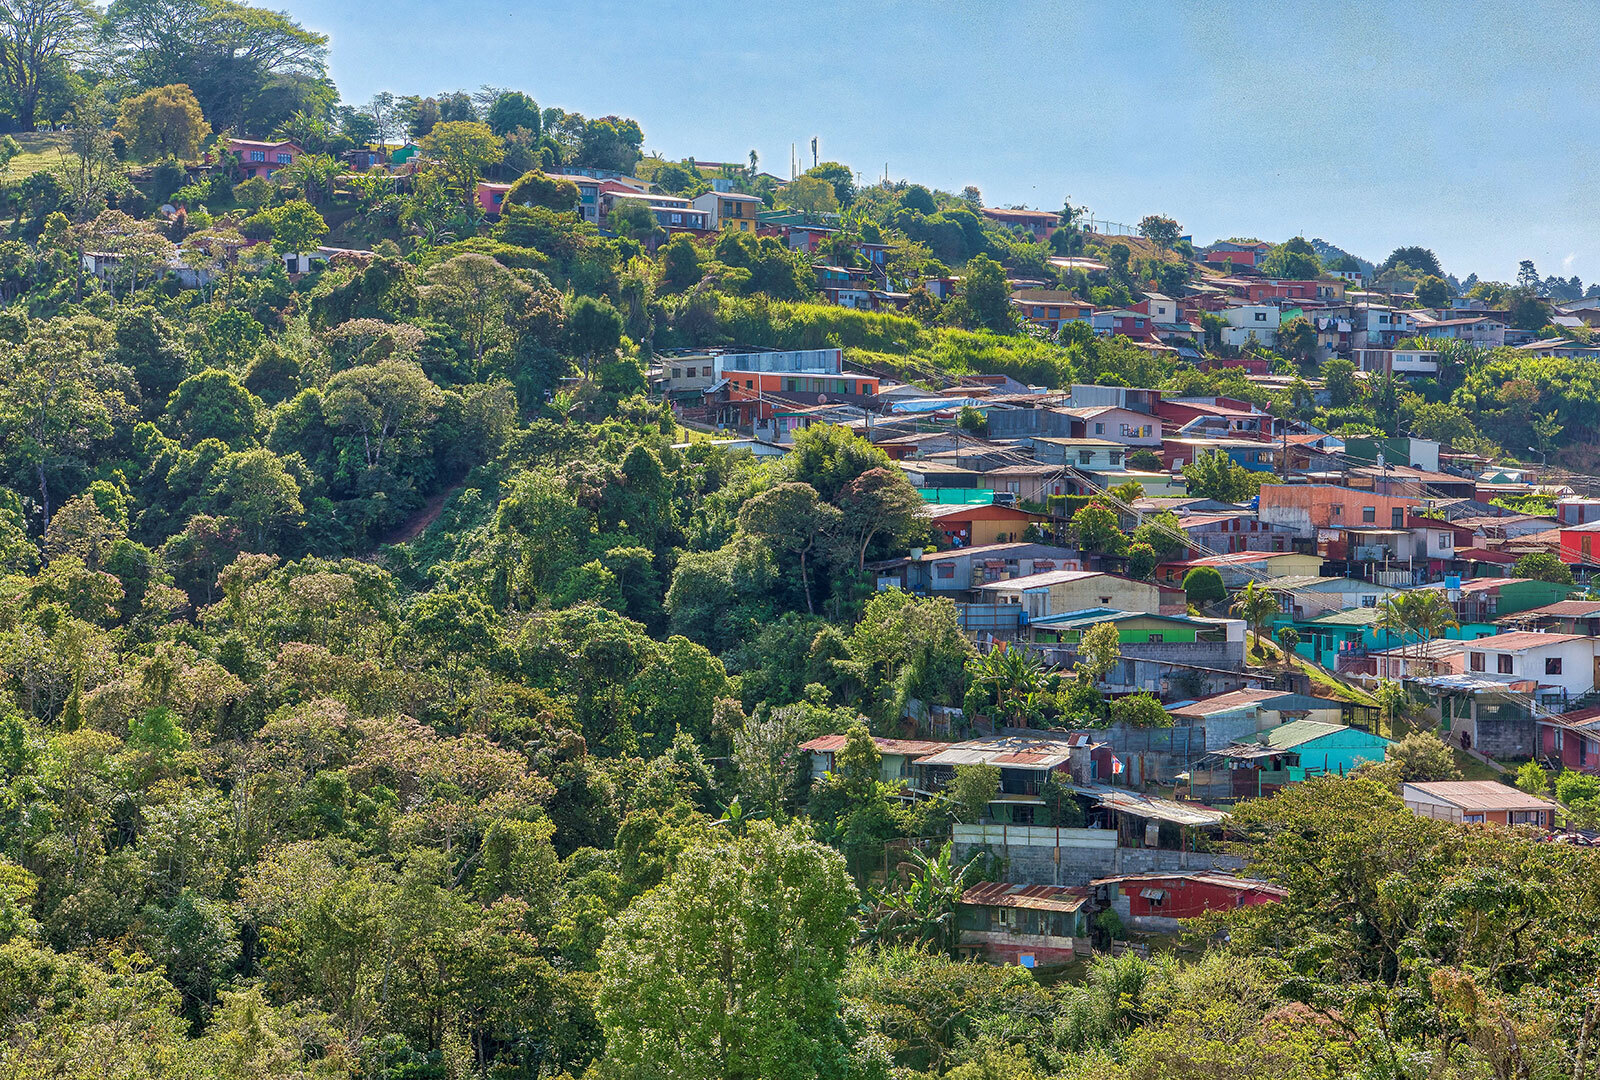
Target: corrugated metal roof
(1010, 751)
(1131, 802)
(1033, 897)
(1223, 881)
(829, 744)
(1480, 795)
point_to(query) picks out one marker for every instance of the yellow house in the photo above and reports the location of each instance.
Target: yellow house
(730, 210)
(1055, 592)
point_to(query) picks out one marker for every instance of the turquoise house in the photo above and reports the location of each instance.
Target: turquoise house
(1355, 633)
(1287, 754)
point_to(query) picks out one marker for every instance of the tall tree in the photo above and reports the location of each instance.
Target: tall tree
(730, 967)
(162, 123)
(228, 53)
(461, 150)
(790, 518)
(36, 38)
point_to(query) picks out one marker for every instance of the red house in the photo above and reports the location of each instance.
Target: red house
(1580, 544)
(1572, 740)
(1155, 902)
(1248, 254)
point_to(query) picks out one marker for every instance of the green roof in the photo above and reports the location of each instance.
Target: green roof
(1296, 732)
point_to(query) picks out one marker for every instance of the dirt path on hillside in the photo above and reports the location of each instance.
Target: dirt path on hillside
(419, 522)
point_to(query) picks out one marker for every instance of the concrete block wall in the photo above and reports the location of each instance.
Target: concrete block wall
(1033, 864)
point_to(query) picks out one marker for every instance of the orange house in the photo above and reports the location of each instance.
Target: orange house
(960, 525)
(1313, 508)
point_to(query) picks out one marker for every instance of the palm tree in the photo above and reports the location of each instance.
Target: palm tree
(1013, 676)
(1257, 606)
(923, 910)
(1396, 615)
(1431, 614)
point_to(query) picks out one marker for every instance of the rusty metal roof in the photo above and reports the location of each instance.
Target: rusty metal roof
(829, 744)
(1033, 897)
(1478, 795)
(1010, 751)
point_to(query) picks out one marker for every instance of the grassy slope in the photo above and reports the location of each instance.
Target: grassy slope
(40, 150)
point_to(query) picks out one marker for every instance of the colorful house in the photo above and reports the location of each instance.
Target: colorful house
(1056, 592)
(1313, 510)
(968, 525)
(1050, 308)
(1041, 223)
(1572, 740)
(1133, 627)
(1155, 903)
(1289, 754)
(263, 158)
(730, 210)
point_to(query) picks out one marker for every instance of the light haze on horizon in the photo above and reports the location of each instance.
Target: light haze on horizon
(1457, 127)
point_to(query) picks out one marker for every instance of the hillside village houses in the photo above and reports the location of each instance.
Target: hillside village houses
(1344, 527)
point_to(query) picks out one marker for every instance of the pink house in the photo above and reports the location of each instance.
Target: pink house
(263, 158)
(492, 197)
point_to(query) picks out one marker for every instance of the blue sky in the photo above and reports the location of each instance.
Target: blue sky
(1461, 127)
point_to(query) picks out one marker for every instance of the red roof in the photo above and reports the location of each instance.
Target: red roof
(1486, 555)
(830, 744)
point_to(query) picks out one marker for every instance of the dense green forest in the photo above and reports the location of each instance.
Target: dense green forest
(390, 689)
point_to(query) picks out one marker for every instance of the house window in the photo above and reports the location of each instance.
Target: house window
(1503, 663)
(1477, 661)
(285, 159)
(1261, 316)
(1552, 665)
(676, 373)
(1336, 510)
(1369, 600)
(258, 155)
(1099, 429)
(1473, 819)
(1014, 486)
(1369, 514)
(1157, 639)
(1555, 740)
(1022, 815)
(1084, 457)
(944, 570)
(1447, 540)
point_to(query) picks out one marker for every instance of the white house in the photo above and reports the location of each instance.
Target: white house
(1244, 320)
(1118, 425)
(1562, 664)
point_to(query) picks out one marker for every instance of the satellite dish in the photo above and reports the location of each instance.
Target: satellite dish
(822, 399)
(168, 209)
